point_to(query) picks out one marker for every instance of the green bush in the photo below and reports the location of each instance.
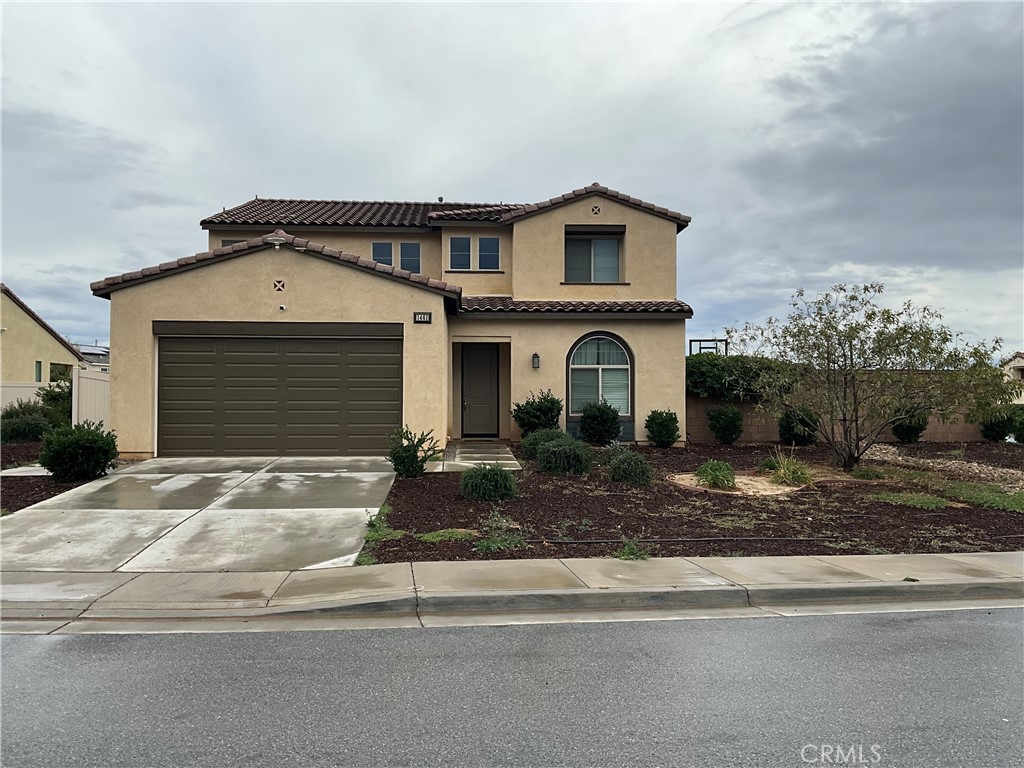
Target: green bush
(716, 474)
(727, 377)
(535, 440)
(910, 428)
(564, 457)
(499, 533)
(998, 428)
(23, 421)
(632, 549)
(599, 423)
(80, 452)
(409, 452)
(630, 467)
(488, 483)
(538, 412)
(1018, 423)
(798, 427)
(662, 428)
(56, 401)
(726, 423)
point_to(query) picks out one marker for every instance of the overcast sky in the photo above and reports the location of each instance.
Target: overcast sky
(811, 143)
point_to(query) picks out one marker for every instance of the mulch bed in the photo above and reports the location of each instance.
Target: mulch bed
(590, 516)
(16, 454)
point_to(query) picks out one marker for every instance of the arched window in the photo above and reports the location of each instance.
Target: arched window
(599, 369)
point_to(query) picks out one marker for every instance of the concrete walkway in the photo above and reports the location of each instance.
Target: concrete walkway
(504, 592)
(473, 454)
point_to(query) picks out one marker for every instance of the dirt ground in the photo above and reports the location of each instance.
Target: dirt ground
(592, 516)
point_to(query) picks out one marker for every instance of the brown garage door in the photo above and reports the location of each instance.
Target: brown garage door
(277, 396)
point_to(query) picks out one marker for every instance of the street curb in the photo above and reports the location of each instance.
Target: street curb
(577, 600)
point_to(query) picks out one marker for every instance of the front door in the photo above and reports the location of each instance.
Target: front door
(480, 390)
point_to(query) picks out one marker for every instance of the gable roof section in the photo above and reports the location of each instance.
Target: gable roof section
(371, 213)
(110, 284)
(506, 304)
(339, 213)
(514, 213)
(39, 321)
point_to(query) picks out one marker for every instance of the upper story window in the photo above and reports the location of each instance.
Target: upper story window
(409, 253)
(591, 260)
(490, 257)
(460, 253)
(381, 253)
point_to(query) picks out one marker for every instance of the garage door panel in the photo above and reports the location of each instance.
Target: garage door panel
(251, 395)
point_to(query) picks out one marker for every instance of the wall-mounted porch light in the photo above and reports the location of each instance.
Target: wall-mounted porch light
(536, 360)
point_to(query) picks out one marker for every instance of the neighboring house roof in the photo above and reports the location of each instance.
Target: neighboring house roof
(42, 323)
(1012, 358)
(503, 304)
(106, 286)
(371, 213)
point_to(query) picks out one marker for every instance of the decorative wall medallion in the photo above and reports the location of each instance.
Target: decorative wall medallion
(279, 285)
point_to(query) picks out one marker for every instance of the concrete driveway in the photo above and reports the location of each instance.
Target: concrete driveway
(211, 514)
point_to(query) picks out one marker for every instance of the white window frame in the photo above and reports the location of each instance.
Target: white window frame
(628, 367)
(591, 238)
(496, 239)
(419, 256)
(452, 267)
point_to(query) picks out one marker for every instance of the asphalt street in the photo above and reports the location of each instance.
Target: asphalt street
(895, 690)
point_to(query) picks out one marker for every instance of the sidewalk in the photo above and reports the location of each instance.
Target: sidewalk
(503, 592)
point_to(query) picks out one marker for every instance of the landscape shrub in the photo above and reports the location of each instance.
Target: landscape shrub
(488, 482)
(410, 452)
(786, 470)
(535, 440)
(997, 428)
(630, 467)
(80, 452)
(632, 549)
(56, 401)
(798, 427)
(662, 428)
(910, 428)
(728, 377)
(564, 457)
(716, 474)
(1018, 423)
(726, 423)
(538, 412)
(599, 423)
(23, 421)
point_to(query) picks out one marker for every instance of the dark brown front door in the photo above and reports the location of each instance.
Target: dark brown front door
(277, 396)
(480, 390)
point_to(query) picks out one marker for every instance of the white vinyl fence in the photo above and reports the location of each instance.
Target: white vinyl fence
(90, 398)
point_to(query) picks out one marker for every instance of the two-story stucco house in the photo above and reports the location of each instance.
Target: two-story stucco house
(317, 327)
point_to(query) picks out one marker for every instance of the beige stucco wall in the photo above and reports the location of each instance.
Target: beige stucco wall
(23, 342)
(357, 243)
(475, 282)
(1014, 371)
(647, 258)
(241, 289)
(657, 345)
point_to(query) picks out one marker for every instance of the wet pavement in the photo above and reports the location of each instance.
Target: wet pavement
(199, 515)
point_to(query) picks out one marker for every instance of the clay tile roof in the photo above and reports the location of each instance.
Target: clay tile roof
(502, 304)
(42, 323)
(338, 213)
(377, 213)
(104, 287)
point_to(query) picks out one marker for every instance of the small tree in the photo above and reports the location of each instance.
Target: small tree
(860, 367)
